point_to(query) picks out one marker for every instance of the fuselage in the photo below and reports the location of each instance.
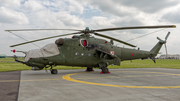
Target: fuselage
(75, 52)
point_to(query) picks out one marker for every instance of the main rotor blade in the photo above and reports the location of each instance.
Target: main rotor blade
(40, 29)
(135, 27)
(42, 39)
(114, 39)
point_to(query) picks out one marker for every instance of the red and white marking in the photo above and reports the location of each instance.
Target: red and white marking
(112, 52)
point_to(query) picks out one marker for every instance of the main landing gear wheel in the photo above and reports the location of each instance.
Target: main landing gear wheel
(105, 70)
(89, 69)
(54, 71)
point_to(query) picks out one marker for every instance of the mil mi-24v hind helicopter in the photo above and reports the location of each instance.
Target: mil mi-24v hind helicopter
(85, 50)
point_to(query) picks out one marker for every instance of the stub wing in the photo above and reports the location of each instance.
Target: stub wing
(109, 56)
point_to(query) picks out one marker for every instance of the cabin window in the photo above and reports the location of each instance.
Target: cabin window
(76, 53)
(89, 54)
(82, 54)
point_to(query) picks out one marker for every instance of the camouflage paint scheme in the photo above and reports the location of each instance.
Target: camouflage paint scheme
(97, 53)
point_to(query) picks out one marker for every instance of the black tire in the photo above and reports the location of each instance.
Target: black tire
(54, 71)
(105, 70)
(89, 69)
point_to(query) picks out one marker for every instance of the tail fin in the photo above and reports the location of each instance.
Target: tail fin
(158, 46)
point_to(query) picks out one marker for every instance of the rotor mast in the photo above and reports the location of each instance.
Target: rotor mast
(87, 31)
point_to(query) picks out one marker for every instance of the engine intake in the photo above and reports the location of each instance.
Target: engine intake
(59, 41)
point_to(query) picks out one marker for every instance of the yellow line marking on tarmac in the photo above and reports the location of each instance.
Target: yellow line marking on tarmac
(119, 76)
(67, 77)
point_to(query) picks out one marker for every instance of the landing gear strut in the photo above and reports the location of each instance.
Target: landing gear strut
(105, 70)
(53, 71)
(89, 69)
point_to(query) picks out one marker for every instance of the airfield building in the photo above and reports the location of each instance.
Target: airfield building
(2, 56)
(170, 56)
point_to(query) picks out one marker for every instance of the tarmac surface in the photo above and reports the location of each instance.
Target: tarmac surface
(8, 89)
(137, 84)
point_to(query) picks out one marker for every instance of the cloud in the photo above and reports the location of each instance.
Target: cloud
(10, 3)
(128, 21)
(70, 20)
(148, 6)
(172, 15)
(11, 16)
(101, 22)
(75, 7)
(56, 19)
(141, 12)
(55, 5)
(110, 7)
(33, 5)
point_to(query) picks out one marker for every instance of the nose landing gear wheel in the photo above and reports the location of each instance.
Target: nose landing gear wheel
(54, 71)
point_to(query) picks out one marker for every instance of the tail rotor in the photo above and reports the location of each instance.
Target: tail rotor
(164, 42)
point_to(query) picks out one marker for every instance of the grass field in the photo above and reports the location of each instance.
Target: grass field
(8, 64)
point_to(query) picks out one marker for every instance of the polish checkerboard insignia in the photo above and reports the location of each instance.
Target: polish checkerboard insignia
(112, 52)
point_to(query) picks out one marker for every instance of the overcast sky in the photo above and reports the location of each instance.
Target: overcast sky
(95, 14)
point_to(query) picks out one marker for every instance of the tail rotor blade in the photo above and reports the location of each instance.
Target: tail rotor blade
(166, 51)
(165, 44)
(167, 36)
(159, 39)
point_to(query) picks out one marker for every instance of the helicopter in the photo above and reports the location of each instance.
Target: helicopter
(85, 50)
